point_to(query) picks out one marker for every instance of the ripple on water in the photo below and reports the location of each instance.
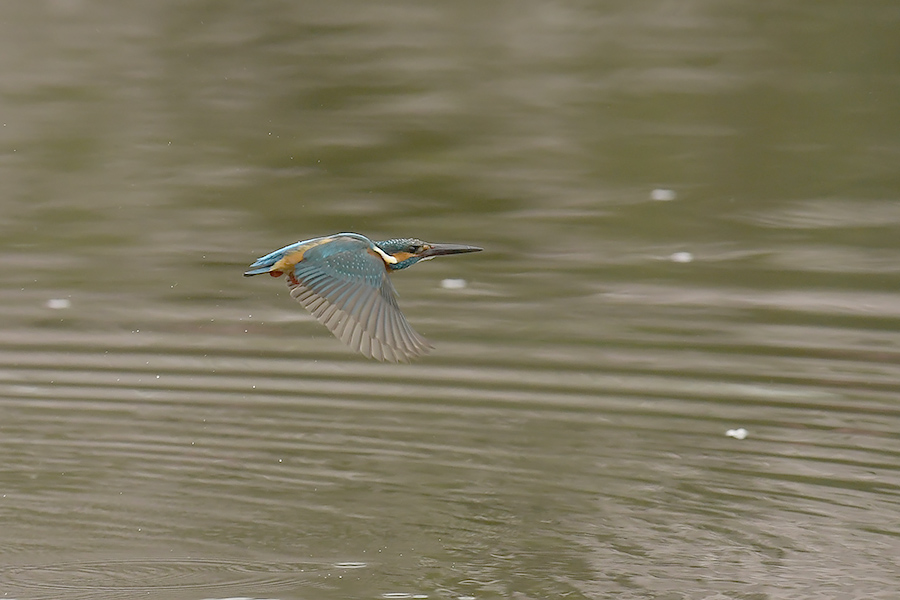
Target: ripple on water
(457, 473)
(85, 579)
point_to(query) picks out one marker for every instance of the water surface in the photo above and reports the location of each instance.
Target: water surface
(170, 429)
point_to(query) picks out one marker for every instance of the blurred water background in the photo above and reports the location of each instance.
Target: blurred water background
(691, 216)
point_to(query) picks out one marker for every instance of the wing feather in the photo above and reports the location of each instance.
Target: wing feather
(348, 291)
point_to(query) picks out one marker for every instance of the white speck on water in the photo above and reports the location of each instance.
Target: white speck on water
(454, 284)
(737, 434)
(682, 257)
(662, 195)
(59, 303)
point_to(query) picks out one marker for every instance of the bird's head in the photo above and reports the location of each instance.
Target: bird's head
(409, 251)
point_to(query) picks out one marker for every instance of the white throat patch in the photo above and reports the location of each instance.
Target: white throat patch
(387, 257)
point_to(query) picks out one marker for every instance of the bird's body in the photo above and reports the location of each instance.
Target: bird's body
(343, 281)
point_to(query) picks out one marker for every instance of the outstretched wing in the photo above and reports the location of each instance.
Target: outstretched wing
(346, 287)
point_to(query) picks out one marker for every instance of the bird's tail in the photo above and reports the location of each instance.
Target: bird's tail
(265, 263)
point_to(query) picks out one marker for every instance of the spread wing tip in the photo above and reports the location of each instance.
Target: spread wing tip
(380, 332)
(383, 353)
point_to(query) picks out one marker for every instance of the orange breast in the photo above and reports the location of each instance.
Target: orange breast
(287, 263)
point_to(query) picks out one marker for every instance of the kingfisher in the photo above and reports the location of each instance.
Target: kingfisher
(342, 279)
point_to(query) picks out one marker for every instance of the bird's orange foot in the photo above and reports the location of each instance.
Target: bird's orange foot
(276, 273)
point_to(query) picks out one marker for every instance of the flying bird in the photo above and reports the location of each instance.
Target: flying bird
(342, 279)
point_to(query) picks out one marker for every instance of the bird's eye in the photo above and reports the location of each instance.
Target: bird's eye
(413, 249)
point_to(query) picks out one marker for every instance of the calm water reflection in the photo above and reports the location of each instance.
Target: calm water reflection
(170, 430)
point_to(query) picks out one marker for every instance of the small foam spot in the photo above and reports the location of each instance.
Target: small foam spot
(454, 284)
(737, 434)
(58, 303)
(682, 257)
(663, 195)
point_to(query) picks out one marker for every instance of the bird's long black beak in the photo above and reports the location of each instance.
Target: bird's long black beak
(441, 249)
